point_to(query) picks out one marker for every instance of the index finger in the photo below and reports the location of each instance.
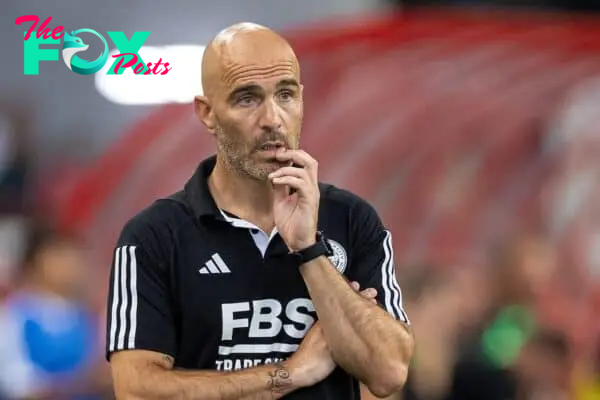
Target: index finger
(299, 157)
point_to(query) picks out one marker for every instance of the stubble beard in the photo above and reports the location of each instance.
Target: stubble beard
(238, 158)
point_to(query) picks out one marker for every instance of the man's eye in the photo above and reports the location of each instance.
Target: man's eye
(286, 95)
(245, 99)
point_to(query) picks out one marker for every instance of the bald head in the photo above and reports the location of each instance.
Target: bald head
(241, 52)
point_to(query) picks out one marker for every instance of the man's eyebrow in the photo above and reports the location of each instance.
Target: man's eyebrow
(251, 87)
(288, 82)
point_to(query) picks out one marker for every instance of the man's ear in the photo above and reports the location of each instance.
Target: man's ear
(204, 111)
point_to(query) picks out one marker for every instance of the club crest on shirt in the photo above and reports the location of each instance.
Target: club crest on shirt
(339, 258)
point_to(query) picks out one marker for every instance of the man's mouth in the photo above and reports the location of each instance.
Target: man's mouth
(272, 146)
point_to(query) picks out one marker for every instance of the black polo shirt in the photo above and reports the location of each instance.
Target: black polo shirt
(215, 292)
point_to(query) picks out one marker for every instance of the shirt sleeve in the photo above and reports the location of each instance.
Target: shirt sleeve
(139, 308)
(373, 260)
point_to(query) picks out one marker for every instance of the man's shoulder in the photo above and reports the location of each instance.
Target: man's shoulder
(333, 196)
(157, 219)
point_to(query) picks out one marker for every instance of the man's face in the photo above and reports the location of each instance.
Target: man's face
(62, 267)
(258, 115)
(253, 99)
(534, 266)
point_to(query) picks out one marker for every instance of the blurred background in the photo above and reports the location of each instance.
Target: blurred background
(472, 126)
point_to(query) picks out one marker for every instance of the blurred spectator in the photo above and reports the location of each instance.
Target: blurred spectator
(15, 166)
(587, 376)
(521, 268)
(15, 178)
(13, 232)
(542, 367)
(445, 307)
(443, 303)
(51, 343)
(473, 327)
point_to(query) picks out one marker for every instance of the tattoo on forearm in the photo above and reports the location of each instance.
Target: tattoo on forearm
(279, 379)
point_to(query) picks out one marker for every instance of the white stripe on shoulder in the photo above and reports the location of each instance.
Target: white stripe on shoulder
(134, 297)
(391, 288)
(385, 276)
(115, 300)
(124, 299)
(395, 286)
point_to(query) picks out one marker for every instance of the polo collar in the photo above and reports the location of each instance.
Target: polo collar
(198, 194)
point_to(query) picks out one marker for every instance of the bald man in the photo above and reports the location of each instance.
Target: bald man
(246, 284)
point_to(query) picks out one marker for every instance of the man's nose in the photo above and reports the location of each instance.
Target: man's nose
(270, 118)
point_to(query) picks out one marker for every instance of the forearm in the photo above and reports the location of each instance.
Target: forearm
(266, 382)
(363, 338)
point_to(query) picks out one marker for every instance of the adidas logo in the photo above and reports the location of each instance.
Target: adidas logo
(215, 265)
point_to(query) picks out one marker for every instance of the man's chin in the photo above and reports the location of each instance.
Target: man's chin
(269, 168)
(261, 171)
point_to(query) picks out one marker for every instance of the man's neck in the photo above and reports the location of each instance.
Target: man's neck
(246, 198)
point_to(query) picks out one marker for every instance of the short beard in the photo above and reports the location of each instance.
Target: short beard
(238, 160)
